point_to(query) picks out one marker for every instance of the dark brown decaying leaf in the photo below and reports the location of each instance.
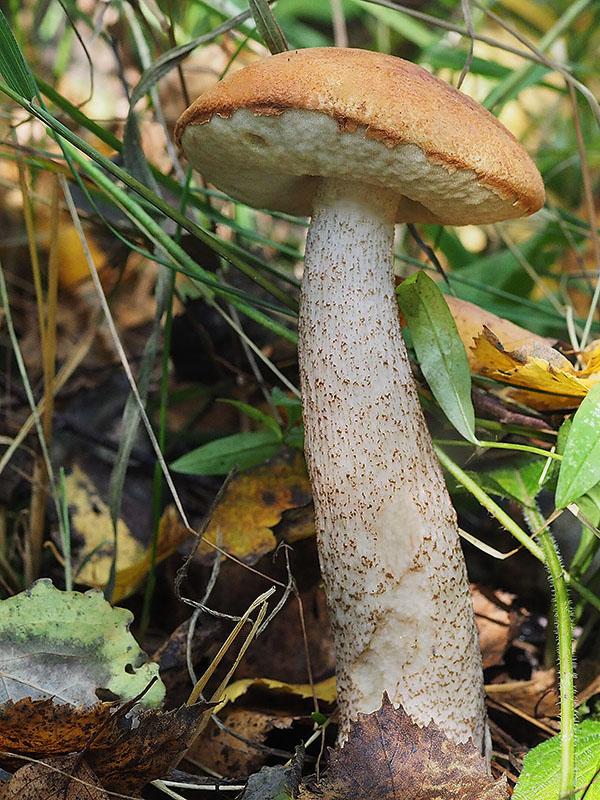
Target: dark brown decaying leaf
(296, 524)
(125, 753)
(389, 757)
(537, 698)
(172, 654)
(65, 777)
(147, 751)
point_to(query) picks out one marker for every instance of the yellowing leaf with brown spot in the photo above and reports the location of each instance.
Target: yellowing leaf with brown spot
(499, 349)
(90, 519)
(253, 503)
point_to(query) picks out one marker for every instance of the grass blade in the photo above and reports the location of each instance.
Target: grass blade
(267, 26)
(13, 67)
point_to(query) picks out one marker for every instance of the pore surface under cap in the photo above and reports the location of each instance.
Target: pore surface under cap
(267, 133)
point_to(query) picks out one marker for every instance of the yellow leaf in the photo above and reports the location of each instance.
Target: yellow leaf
(550, 378)
(325, 690)
(540, 376)
(72, 262)
(591, 359)
(90, 520)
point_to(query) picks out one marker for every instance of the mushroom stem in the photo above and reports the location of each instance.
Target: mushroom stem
(393, 569)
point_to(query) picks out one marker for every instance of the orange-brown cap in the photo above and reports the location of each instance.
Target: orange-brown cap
(267, 133)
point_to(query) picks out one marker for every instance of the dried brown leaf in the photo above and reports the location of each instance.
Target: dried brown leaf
(497, 623)
(65, 777)
(235, 749)
(145, 752)
(296, 524)
(39, 727)
(389, 757)
(536, 698)
(125, 752)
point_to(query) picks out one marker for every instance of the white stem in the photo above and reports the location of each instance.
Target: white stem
(394, 572)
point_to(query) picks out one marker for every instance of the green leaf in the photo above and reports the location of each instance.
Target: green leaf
(239, 451)
(520, 481)
(294, 437)
(580, 468)
(66, 645)
(440, 351)
(266, 420)
(13, 66)
(267, 26)
(589, 505)
(540, 778)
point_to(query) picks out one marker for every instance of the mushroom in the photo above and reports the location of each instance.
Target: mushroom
(360, 141)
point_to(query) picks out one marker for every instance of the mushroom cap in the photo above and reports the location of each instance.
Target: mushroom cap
(266, 134)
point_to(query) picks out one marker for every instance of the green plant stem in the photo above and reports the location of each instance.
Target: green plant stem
(511, 526)
(584, 555)
(593, 580)
(564, 631)
(525, 448)
(507, 427)
(548, 554)
(486, 501)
